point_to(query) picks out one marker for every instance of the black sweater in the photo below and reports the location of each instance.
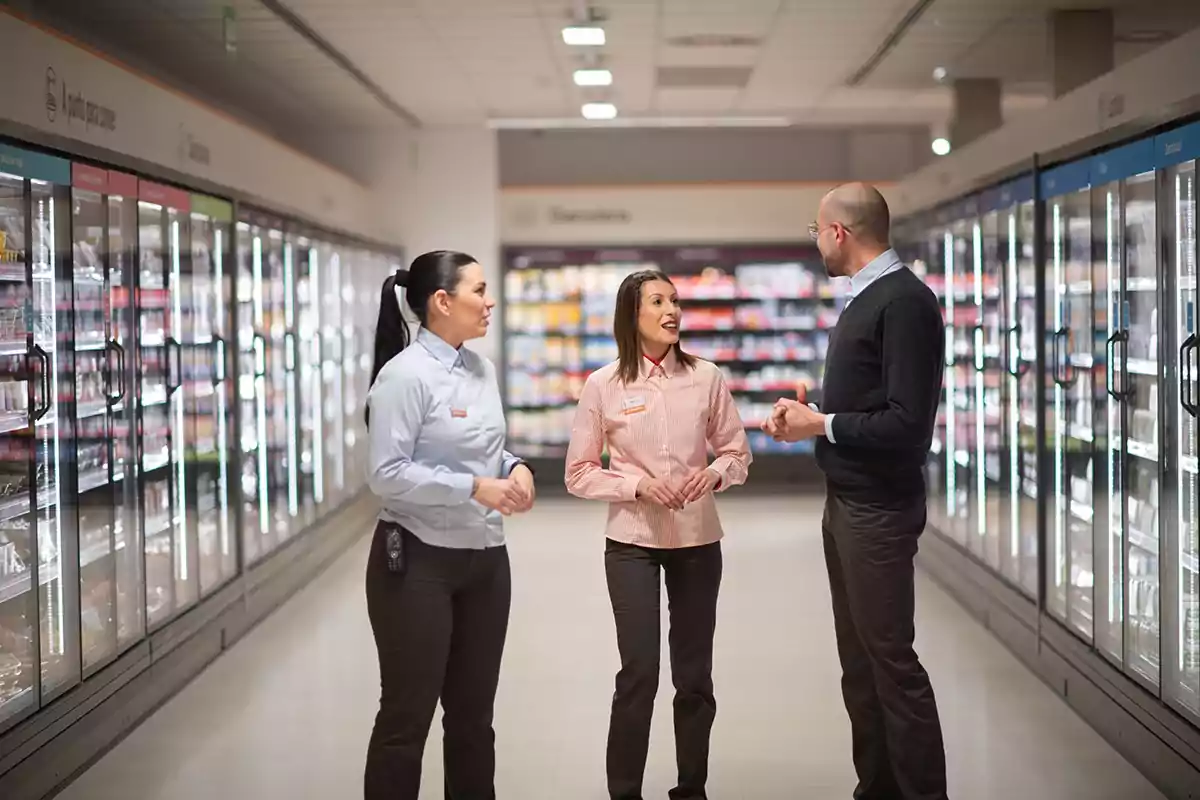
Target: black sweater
(883, 379)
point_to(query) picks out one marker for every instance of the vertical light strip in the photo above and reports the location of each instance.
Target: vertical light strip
(1115, 434)
(177, 406)
(219, 372)
(1014, 402)
(1183, 323)
(1060, 532)
(980, 409)
(260, 391)
(289, 358)
(60, 633)
(318, 399)
(951, 392)
(339, 417)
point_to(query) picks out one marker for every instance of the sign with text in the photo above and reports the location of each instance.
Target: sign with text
(67, 104)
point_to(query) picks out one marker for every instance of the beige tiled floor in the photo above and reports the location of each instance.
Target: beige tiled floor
(287, 712)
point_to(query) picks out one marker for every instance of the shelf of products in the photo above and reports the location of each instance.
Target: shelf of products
(761, 313)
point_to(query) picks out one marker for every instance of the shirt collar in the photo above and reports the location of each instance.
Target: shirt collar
(445, 354)
(666, 367)
(879, 266)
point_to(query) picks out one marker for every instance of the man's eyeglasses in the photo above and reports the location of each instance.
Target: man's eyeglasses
(814, 230)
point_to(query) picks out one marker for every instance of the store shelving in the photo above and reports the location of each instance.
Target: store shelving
(761, 312)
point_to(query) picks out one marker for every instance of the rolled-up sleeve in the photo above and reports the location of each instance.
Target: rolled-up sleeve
(397, 408)
(726, 436)
(509, 462)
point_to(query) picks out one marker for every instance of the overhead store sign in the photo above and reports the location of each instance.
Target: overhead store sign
(74, 94)
(68, 105)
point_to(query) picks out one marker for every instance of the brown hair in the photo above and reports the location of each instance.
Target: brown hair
(625, 325)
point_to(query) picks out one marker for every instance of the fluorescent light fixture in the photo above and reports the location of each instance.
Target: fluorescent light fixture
(941, 146)
(593, 77)
(599, 111)
(583, 36)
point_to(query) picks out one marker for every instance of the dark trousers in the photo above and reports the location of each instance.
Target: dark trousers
(693, 578)
(897, 738)
(439, 627)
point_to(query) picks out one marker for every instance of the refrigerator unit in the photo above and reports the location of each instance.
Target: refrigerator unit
(1065, 453)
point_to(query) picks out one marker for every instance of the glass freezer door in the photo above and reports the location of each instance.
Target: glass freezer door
(1182, 681)
(1020, 549)
(1138, 368)
(170, 538)
(39, 579)
(309, 347)
(110, 552)
(54, 439)
(985, 386)
(1069, 410)
(333, 347)
(204, 288)
(960, 382)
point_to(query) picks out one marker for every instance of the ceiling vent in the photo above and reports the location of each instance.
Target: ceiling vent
(714, 40)
(703, 77)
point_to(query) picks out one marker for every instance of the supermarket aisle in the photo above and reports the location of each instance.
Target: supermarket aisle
(287, 712)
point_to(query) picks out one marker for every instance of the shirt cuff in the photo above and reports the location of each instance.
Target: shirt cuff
(510, 463)
(629, 490)
(829, 428)
(461, 485)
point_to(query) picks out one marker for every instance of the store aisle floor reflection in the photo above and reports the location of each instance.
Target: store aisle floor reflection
(287, 712)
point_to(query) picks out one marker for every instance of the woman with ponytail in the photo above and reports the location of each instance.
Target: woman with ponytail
(438, 586)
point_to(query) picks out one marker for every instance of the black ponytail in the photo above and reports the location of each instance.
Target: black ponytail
(391, 331)
(428, 273)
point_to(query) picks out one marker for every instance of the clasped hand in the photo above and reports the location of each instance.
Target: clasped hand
(793, 420)
(512, 495)
(675, 497)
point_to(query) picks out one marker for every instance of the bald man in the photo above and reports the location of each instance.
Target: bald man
(883, 378)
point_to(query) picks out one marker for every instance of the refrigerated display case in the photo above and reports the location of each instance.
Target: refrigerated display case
(204, 294)
(1071, 397)
(1176, 153)
(265, 307)
(1098, 268)
(1018, 543)
(39, 578)
(110, 536)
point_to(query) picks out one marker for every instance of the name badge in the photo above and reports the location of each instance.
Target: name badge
(458, 413)
(633, 405)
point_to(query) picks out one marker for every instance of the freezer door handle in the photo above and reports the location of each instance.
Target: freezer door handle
(174, 347)
(260, 356)
(38, 354)
(115, 347)
(1118, 337)
(218, 376)
(1186, 352)
(1057, 355)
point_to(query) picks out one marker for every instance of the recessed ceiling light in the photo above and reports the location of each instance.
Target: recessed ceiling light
(599, 111)
(583, 36)
(593, 77)
(941, 146)
(939, 74)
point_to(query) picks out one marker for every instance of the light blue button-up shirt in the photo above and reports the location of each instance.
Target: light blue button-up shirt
(437, 423)
(885, 263)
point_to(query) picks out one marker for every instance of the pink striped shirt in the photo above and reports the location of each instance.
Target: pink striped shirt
(660, 426)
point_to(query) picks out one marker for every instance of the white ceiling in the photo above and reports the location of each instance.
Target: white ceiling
(467, 61)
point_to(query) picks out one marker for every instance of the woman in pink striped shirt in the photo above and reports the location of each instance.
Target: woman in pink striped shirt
(659, 410)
